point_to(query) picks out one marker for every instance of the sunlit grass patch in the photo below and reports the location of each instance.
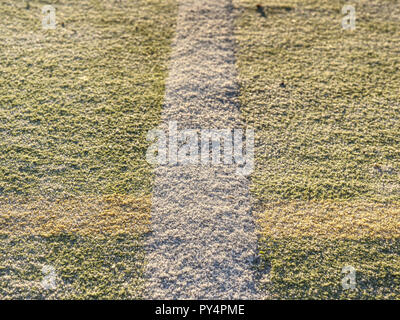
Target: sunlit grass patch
(108, 216)
(330, 220)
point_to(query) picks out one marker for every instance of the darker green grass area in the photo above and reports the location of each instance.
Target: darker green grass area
(85, 267)
(323, 101)
(312, 269)
(76, 102)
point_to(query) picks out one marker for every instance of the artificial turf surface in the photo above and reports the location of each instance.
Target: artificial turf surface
(324, 105)
(75, 107)
(76, 104)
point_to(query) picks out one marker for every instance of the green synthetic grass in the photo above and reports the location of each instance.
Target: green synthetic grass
(95, 247)
(85, 267)
(77, 102)
(304, 247)
(324, 105)
(309, 268)
(336, 122)
(75, 107)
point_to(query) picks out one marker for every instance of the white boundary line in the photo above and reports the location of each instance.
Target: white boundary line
(203, 240)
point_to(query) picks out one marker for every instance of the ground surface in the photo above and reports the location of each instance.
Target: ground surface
(324, 103)
(76, 104)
